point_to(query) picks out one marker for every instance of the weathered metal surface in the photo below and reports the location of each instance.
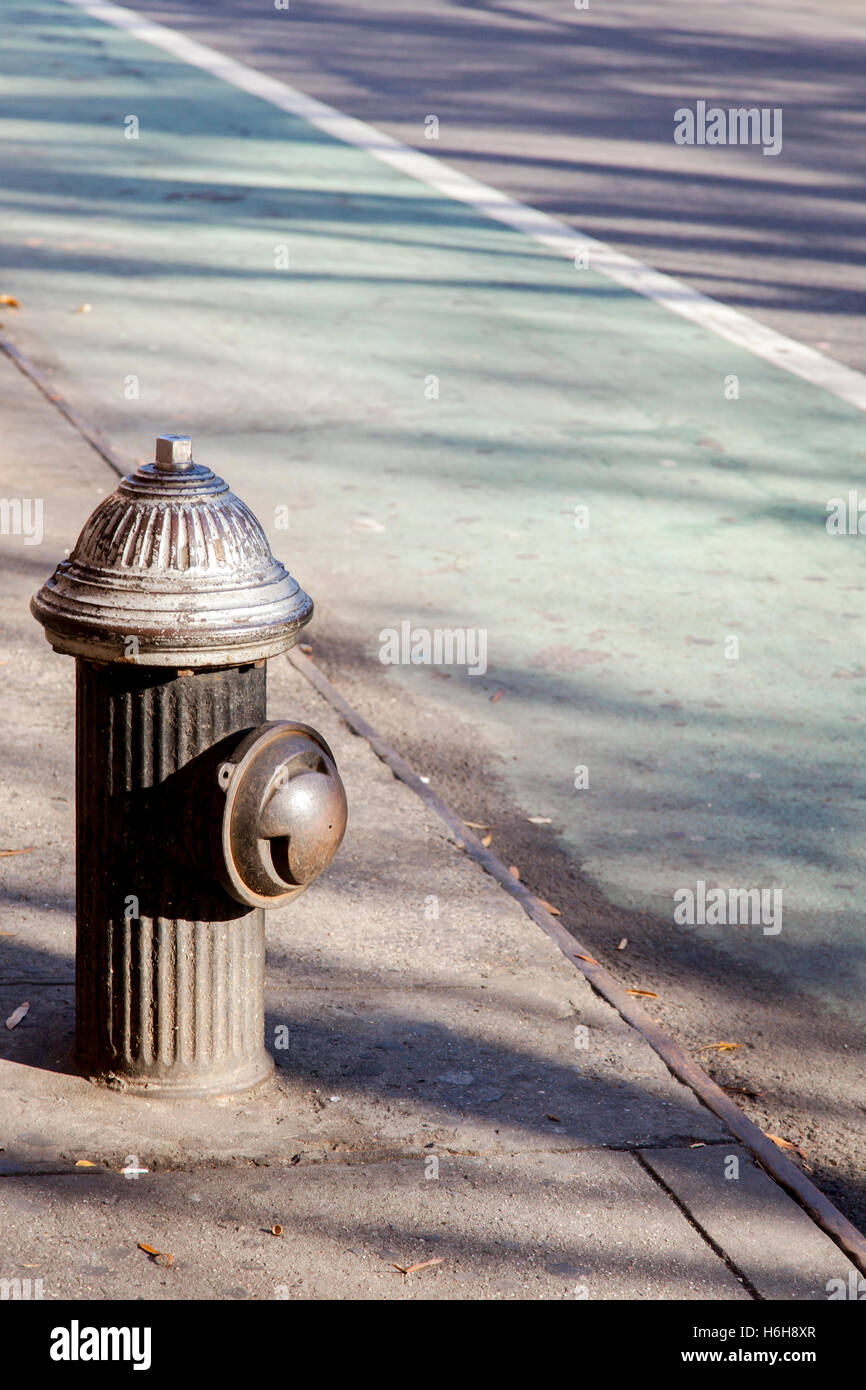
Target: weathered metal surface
(172, 569)
(283, 817)
(169, 968)
(192, 813)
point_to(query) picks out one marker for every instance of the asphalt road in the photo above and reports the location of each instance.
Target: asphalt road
(573, 110)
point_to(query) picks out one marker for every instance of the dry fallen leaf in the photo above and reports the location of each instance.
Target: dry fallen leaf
(84, 1163)
(496, 696)
(10, 301)
(4, 852)
(644, 993)
(555, 1118)
(591, 959)
(719, 1047)
(744, 1091)
(548, 907)
(622, 945)
(305, 647)
(160, 1257)
(514, 871)
(485, 839)
(83, 309)
(476, 825)
(785, 1143)
(795, 1148)
(17, 1014)
(411, 1269)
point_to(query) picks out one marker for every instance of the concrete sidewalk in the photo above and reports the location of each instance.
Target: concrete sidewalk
(448, 1087)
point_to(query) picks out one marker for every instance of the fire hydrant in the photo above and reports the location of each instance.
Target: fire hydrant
(193, 814)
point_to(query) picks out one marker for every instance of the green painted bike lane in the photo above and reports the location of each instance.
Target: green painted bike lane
(296, 306)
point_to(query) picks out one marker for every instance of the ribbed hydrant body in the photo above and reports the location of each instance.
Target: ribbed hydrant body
(193, 814)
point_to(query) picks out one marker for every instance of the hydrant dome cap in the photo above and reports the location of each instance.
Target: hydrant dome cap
(172, 569)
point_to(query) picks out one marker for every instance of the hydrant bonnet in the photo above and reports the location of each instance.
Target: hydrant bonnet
(172, 569)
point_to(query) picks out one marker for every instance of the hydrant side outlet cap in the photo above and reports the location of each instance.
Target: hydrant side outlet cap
(172, 569)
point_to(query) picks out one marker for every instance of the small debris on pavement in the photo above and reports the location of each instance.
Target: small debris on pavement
(305, 647)
(159, 1257)
(514, 871)
(413, 1269)
(786, 1144)
(83, 309)
(9, 301)
(84, 1163)
(496, 696)
(276, 1229)
(548, 907)
(4, 852)
(540, 820)
(720, 1047)
(644, 993)
(17, 1014)
(622, 945)
(486, 839)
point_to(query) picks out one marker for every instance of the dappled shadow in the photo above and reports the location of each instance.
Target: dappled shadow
(553, 106)
(614, 82)
(504, 1227)
(411, 1050)
(556, 467)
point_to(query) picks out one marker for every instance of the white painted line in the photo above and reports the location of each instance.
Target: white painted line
(846, 383)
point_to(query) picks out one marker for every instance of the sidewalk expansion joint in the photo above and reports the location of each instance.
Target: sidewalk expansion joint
(701, 1231)
(347, 1157)
(36, 984)
(448, 987)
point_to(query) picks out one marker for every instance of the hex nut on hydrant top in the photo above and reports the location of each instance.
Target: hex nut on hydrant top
(193, 813)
